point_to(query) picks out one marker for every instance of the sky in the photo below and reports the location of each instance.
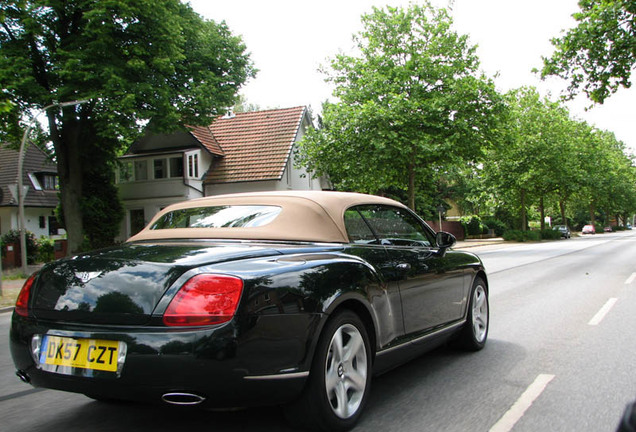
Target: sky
(288, 40)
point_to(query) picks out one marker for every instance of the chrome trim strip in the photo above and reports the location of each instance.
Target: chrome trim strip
(421, 338)
(278, 376)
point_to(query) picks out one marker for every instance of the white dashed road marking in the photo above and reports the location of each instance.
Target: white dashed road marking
(601, 313)
(514, 414)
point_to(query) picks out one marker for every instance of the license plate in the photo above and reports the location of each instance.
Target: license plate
(95, 354)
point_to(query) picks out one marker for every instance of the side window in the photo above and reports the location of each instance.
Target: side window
(357, 229)
(396, 226)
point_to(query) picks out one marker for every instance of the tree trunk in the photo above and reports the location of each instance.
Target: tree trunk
(542, 211)
(524, 222)
(592, 211)
(562, 207)
(69, 168)
(411, 190)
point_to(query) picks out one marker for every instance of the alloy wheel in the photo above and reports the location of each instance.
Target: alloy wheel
(480, 313)
(346, 371)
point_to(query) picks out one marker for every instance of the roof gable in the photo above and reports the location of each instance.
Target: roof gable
(257, 145)
(35, 161)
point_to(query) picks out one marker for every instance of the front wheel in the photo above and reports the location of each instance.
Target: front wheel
(340, 377)
(474, 334)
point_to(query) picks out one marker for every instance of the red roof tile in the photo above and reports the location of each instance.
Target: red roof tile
(205, 137)
(256, 145)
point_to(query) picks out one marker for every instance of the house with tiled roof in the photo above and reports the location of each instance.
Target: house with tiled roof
(242, 152)
(39, 178)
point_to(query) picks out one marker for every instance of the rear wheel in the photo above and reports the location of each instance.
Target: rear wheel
(474, 334)
(340, 377)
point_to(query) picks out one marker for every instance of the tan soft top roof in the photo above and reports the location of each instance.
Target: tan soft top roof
(314, 216)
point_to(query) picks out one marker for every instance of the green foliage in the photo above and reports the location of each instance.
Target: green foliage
(495, 224)
(136, 62)
(521, 236)
(46, 250)
(102, 211)
(411, 103)
(599, 54)
(473, 225)
(13, 237)
(550, 234)
(533, 235)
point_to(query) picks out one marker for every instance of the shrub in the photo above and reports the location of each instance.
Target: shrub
(46, 250)
(523, 236)
(550, 234)
(495, 224)
(472, 225)
(514, 235)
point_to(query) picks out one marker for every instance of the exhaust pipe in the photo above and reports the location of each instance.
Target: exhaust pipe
(182, 399)
(23, 376)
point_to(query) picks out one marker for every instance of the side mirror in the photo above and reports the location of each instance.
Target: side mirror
(444, 241)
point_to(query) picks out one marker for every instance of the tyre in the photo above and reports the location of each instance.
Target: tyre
(339, 380)
(473, 335)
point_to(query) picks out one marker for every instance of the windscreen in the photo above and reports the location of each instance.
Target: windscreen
(240, 216)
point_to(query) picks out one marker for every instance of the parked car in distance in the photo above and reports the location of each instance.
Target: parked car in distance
(280, 298)
(588, 229)
(564, 230)
(607, 229)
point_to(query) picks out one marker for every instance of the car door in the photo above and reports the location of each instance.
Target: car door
(365, 244)
(430, 286)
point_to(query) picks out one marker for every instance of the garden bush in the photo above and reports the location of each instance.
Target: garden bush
(472, 225)
(523, 236)
(46, 250)
(550, 234)
(495, 224)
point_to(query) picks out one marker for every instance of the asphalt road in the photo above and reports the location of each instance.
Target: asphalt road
(561, 356)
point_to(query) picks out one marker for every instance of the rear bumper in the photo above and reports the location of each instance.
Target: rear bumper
(225, 365)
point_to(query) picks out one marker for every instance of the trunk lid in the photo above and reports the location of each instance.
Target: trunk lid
(122, 286)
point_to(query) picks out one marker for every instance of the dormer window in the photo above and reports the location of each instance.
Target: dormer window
(35, 182)
(50, 182)
(44, 181)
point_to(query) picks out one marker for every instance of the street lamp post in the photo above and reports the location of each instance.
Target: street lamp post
(20, 191)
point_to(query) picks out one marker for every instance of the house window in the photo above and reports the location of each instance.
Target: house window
(161, 168)
(50, 182)
(193, 165)
(176, 166)
(42, 222)
(54, 226)
(126, 172)
(141, 170)
(137, 221)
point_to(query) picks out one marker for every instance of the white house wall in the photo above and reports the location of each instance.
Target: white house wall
(9, 220)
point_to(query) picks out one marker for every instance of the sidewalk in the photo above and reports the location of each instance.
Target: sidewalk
(470, 243)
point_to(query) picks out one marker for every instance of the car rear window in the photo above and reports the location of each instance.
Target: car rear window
(241, 216)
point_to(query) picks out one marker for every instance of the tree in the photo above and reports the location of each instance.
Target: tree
(152, 62)
(410, 103)
(537, 159)
(599, 54)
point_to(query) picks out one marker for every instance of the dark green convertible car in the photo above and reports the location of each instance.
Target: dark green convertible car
(281, 298)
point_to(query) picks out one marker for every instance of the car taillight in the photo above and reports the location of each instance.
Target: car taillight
(22, 303)
(204, 299)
